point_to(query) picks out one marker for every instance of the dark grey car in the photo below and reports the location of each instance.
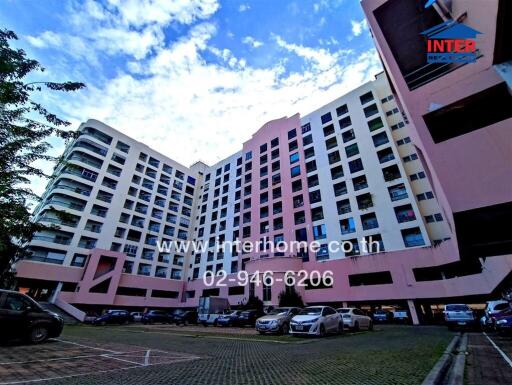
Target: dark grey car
(22, 317)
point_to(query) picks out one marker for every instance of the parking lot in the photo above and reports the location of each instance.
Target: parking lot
(139, 354)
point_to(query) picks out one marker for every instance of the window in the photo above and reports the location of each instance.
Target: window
(329, 130)
(380, 139)
(425, 196)
(345, 122)
(397, 192)
(352, 150)
(310, 166)
(347, 136)
(315, 196)
(375, 124)
(342, 110)
(309, 153)
(336, 172)
(391, 173)
(403, 141)
(477, 111)
(366, 98)
(263, 147)
(412, 237)
(326, 118)
(364, 201)
(343, 206)
(292, 146)
(306, 128)
(296, 185)
(319, 232)
(248, 155)
(369, 221)
(294, 158)
(317, 214)
(385, 155)
(360, 182)
(295, 171)
(410, 158)
(404, 213)
(274, 142)
(347, 226)
(322, 253)
(368, 279)
(299, 217)
(307, 140)
(334, 157)
(355, 165)
(371, 110)
(313, 181)
(340, 188)
(292, 134)
(331, 143)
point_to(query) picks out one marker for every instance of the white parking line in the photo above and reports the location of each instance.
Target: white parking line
(86, 346)
(505, 357)
(121, 359)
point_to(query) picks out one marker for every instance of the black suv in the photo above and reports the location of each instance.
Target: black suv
(22, 317)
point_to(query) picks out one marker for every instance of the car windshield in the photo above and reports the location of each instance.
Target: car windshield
(311, 311)
(457, 308)
(501, 306)
(343, 311)
(278, 311)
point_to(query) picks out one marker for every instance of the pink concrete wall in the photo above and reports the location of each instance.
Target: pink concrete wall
(471, 170)
(277, 128)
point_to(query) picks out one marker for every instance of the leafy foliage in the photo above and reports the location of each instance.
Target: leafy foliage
(290, 298)
(25, 126)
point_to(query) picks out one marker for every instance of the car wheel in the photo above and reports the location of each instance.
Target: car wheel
(340, 328)
(356, 326)
(322, 330)
(370, 326)
(261, 332)
(185, 323)
(38, 334)
(103, 323)
(215, 323)
(284, 329)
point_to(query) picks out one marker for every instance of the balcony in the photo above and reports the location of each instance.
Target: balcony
(391, 173)
(398, 192)
(87, 243)
(81, 172)
(91, 146)
(73, 188)
(61, 240)
(66, 203)
(84, 158)
(97, 134)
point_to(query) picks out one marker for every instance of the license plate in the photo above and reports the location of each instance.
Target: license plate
(461, 323)
(263, 327)
(299, 327)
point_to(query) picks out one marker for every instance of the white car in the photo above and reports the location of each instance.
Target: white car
(355, 319)
(316, 320)
(136, 316)
(493, 309)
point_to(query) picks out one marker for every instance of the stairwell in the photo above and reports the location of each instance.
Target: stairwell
(68, 319)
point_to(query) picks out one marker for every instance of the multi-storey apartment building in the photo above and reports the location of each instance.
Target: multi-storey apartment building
(362, 167)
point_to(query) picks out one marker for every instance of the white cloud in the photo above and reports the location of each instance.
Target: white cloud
(249, 40)
(359, 26)
(189, 109)
(244, 7)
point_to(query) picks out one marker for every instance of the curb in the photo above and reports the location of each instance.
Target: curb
(444, 366)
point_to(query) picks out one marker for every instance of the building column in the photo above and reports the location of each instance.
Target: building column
(412, 310)
(56, 293)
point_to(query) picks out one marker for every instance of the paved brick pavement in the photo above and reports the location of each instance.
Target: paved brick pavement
(393, 355)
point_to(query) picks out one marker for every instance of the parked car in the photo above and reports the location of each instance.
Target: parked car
(229, 319)
(493, 309)
(355, 319)
(277, 320)
(316, 320)
(155, 316)
(175, 314)
(248, 317)
(504, 324)
(400, 316)
(382, 316)
(120, 317)
(458, 315)
(22, 317)
(90, 316)
(186, 318)
(211, 308)
(136, 316)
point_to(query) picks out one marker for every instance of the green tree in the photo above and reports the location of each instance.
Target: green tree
(290, 298)
(25, 126)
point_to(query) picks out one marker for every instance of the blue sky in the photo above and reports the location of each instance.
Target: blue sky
(202, 73)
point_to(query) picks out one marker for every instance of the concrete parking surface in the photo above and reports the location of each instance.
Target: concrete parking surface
(489, 361)
(160, 354)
